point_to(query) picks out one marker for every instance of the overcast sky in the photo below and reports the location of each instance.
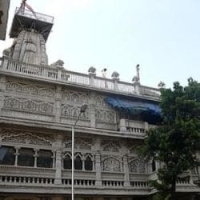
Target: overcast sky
(163, 36)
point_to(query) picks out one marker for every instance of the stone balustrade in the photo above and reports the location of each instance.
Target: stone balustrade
(134, 127)
(65, 76)
(23, 180)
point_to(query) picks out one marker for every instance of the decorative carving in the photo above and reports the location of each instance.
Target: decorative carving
(111, 164)
(29, 89)
(73, 112)
(28, 105)
(99, 101)
(111, 146)
(75, 97)
(58, 63)
(92, 70)
(80, 143)
(115, 75)
(137, 166)
(105, 116)
(29, 47)
(18, 136)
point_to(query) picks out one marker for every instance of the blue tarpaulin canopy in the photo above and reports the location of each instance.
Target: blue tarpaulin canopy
(133, 107)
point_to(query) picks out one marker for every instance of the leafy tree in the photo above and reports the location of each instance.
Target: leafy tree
(176, 141)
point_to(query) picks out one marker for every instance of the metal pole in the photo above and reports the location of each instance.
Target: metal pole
(72, 162)
(82, 110)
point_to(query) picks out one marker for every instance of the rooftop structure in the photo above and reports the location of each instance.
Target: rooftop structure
(25, 19)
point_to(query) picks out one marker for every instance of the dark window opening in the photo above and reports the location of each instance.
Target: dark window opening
(153, 166)
(45, 159)
(67, 162)
(7, 155)
(78, 163)
(88, 164)
(26, 157)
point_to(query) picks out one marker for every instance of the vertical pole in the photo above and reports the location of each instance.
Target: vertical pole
(73, 162)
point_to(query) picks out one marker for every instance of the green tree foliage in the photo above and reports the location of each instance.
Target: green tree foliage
(175, 143)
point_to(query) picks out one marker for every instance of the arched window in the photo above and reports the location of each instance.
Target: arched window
(26, 157)
(44, 159)
(88, 164)
(67, 162)
(78, 163)
(7, 155)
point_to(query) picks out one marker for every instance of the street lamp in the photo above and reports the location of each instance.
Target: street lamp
(82, 110)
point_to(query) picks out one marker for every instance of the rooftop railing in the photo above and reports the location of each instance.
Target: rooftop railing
(89, 80)
(34, 15)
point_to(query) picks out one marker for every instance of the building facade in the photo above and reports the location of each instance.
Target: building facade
(4, 10)
(39, 104)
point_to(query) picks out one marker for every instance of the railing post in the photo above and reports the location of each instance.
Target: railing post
(58, 174)
(59, 72)
(5, 63)
(115, 80)
(136, 87)
(126, 171)
(122, 125)
(92, 78)
(58, 103)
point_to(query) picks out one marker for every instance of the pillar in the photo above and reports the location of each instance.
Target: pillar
(97, 146)
(92, 78)
(58, 145)
(2, 90)
(115, 80)
(92, 110)
(126, 171)
(58, 103)
(16, 155)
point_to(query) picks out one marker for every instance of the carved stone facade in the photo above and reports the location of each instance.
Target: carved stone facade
(28, 47)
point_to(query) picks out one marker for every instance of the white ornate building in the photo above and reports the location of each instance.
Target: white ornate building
(39, 103)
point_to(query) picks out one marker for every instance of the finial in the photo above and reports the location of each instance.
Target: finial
(92, 70)
(138, 72)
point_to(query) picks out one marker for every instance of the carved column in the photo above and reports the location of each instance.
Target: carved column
(98, 182)
(58, 146)
(126, 171)
(16, 155)
(2, 89)
(83, 161)
(92, 110)
(58, 103)
(35, 157)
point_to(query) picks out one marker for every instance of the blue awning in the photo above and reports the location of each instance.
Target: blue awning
(133, 107)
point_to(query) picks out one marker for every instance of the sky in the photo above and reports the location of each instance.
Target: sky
(163, 36)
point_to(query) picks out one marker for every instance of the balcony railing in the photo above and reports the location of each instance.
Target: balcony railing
(35, 15)
(89, 80)
(134, 127)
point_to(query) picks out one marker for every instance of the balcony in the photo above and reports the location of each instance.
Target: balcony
(134, 127)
